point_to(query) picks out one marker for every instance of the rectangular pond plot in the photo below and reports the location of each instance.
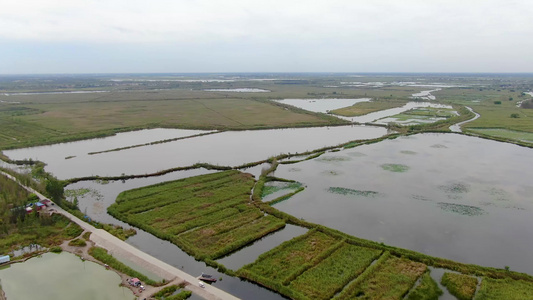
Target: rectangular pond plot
(390, 278)
(505, 289)
(247, 255)
(280, 262)
(333, 273)
(218, 245)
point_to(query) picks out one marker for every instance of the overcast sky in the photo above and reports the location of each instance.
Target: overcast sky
(118, 36)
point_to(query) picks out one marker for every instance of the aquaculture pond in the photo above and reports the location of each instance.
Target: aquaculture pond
(61, 276)
(233, 148)
(446, 195)
(95, 196)
(322, 105)
(372, 117)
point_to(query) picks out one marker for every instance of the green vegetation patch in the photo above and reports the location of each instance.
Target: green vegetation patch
(329, 159)
(504, 133)
(278, 263)
(70, 195)
(408, 152)
(426, 290)
(347, 192)
(208, 216)
(494, 289)
(19, 229)
(275, 186)
(390, 278)
(333, 273)
(461, 286)
(209, 242)
(170, 293)
(465, 210)
(363, 108)
(77, 243)
(455, 188)
(397, 168)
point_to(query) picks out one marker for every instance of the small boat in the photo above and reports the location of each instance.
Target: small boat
(207, 277)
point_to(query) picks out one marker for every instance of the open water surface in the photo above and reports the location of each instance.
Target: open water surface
(231, 148)
(61, 276)
(446, 195)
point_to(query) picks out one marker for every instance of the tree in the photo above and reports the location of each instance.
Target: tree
(55, 190)
(516, 116)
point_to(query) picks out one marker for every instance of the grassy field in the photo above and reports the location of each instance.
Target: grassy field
(70, 120)
(495, 105)
(280, 262)
(426, 290)
(363, 108)
(504, 133)
(390, 279)
(461, 286)
(208, 216)
(333, 273)
(493, 289)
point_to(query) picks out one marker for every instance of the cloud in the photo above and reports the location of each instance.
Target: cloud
(341, 35)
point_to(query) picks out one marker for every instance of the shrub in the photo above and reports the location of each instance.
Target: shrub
(56, 249)
(77, 243)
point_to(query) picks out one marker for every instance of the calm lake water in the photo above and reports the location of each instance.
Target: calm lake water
(445, 195)
(226, 149)
(61, 276)
(321, 105)
(371, 117)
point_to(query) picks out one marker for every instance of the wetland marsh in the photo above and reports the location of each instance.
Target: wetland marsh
(445, 195)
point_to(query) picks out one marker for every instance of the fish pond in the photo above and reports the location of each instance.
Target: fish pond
(446, 195)
(61, 276)
(233, 148)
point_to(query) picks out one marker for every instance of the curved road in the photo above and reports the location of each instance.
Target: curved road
(116, 246)
(457, 127)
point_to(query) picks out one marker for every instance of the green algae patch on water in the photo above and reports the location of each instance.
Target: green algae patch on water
(333, 159)
(439, 146)
(356, 154)
(347, 192)
(397, 168)
(455, 190)
(465, 210)
(408, 152)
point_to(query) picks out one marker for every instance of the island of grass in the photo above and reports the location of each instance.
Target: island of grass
(363, 108)
(208, 216)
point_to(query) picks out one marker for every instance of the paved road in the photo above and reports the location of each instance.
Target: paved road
(116, 246)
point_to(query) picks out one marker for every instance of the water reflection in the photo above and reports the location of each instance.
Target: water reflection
(61, 277)
(446, 195)
(233, 148)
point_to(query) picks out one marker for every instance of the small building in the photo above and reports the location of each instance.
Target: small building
(4, 259)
